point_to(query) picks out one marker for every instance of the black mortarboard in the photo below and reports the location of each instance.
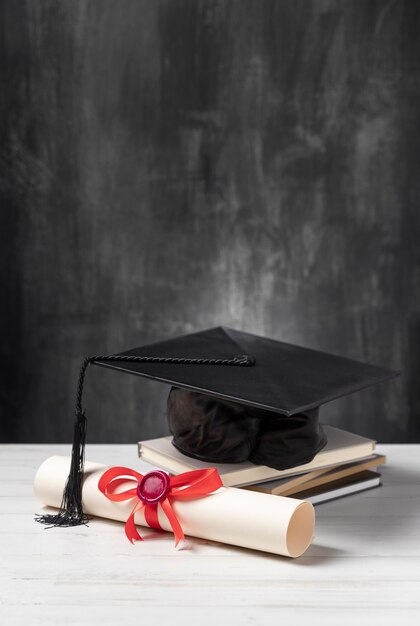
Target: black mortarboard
(234, 396)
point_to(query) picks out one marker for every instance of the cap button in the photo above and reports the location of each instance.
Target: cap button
(153, 487)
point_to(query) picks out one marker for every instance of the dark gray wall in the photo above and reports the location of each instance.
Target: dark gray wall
(167, 166)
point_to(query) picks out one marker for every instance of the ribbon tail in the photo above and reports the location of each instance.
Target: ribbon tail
(130, 527)
(173, 520)
(151, 515)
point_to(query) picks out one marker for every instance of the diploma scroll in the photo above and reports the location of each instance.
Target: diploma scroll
(234, 516)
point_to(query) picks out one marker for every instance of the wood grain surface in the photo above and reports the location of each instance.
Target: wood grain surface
(362, 568)
(168, 166)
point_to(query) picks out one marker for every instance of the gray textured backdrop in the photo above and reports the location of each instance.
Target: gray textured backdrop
(167, 166)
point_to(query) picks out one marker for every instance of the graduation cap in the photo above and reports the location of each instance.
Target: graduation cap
(234, 396)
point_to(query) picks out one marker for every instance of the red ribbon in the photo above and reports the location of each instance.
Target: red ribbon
(186, 486)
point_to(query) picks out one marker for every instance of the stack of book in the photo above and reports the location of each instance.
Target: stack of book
(346, 465)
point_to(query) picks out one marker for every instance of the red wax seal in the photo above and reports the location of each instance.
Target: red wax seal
(153, 487)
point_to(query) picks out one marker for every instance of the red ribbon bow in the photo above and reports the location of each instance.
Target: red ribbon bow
(156, 488)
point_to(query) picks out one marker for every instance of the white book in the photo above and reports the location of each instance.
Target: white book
(345, 490)
(342, 447)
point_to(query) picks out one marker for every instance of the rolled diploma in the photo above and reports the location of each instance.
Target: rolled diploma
(242, 518)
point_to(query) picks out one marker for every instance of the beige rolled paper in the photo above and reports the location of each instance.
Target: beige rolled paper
(242, 518)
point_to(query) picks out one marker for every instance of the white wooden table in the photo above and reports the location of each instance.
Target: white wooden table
(363, 567)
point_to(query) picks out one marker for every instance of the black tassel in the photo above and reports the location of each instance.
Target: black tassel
(71, 512)
(71, 508)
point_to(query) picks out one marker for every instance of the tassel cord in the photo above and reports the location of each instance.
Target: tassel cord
(71, 511)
